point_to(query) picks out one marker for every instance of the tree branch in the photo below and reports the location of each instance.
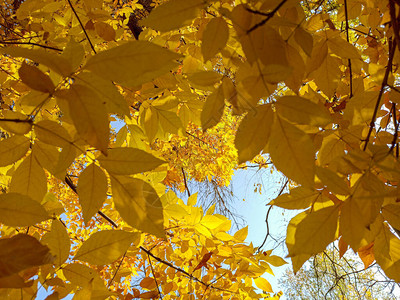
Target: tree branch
(190, 276)
(392, 48)
(268, 15)
(30, 43)
(69, 182)
(348, 40)
(83, 28)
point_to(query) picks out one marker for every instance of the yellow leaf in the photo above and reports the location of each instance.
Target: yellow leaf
(133, 63)
(253, 132)
(81, 275)
(52, 133)
(29, 179)
(58, 242)
(126, 160)
(213, 109)
(148, 283)
(92, 190)
(263, 284)
(21, 252)
(211, 221)
(15, 122)
(105, 31)
(55, 62)
(299, 198)
(304, 40)
(105, 247)
(173, 14)
(215, 37)
(274, 260)
(138, 204)
(297, 260)
(292, 152)
(356, 230)
(302, 111)
(74, 53)
(35, 79)
(391, 213)
(342, 48)
(387, 252)
(316, 231)
(328, 75)
(335, 183)
(13, 149)
(241, 234)
(89, 115)
(176, 211)
(205, 78)
(20, 210)
(107, 91)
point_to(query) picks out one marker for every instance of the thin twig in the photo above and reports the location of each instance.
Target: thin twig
(30, 43)
(190, 276)
(185, 182)
(154, 275)
(116, 271)
(69, 182)
(266, 218)
(396, 128)
(83, 28)
(268, 15)
(348, 40)
(392, 48)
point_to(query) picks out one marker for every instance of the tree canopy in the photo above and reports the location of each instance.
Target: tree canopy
(196, 89)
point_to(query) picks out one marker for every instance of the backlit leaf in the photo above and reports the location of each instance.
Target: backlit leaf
(292, 152)
(106, 246)
(13, 149)
(125, 161)
(133, 63)
(29, 179)
(20, 210)
(138, 204)
(253, 132)
(52, 133)
(316, 231)
(35, 79)
(21, 252)
(92, 190)
(173, 14)
(89, 115)
(263, 284)
(213, 109)
(58, 242)
(302, 111)
(214, 39)
(55, 62)
(299, 198)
